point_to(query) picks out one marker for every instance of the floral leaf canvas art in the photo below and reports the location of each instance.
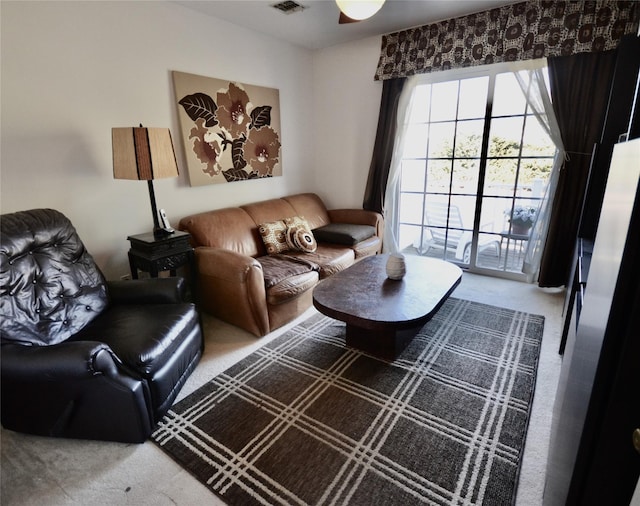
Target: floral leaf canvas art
(231, 131)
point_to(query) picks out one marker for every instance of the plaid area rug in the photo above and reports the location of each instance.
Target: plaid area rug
(304, 420)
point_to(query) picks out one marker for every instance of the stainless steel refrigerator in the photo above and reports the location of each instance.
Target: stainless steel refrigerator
(592, 459)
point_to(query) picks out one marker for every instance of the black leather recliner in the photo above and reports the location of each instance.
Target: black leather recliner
(82, 357)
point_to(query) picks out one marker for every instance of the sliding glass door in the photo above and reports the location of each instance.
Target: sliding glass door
(474, 169)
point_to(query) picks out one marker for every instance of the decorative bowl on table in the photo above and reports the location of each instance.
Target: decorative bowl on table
(396, 268)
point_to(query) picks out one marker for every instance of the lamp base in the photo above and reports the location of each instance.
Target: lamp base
(160, 233)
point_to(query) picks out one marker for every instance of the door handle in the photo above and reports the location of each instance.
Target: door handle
(636, 440)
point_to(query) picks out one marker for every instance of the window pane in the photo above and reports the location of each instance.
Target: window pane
(420, 106)
(534, 174)
(536, 142)
(438, 176)
(473, 98)
(505, 135)
(508, 98)
(462, 211)
(465, 176)
(414, 146)
(412, 176)
(500, 177)
(444, 101)
(493, 217)
(441, 140)
(411, 208)
(409, 236)
(469, 138)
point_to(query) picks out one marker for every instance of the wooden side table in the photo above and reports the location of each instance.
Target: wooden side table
(154, 255)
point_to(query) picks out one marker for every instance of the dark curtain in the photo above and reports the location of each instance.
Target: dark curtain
(580, 87)
(383, 147)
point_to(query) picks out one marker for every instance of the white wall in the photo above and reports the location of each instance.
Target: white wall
(347, 102)
(73, 70)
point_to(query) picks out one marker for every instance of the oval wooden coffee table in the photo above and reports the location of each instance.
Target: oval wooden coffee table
(383, 315)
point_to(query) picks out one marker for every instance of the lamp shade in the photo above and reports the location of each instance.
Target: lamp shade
(359, 9)
(143, 153)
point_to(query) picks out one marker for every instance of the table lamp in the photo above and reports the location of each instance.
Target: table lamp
(144, 154)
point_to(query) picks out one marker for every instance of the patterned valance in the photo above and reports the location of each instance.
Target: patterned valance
(522, 31)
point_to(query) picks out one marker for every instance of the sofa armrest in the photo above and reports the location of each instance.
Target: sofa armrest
(231, 285)
(148, 291)
(358, 217)
(224, 264)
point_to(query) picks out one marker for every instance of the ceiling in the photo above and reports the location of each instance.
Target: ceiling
(317, 26)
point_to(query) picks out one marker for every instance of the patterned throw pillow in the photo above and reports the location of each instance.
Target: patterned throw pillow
(301, 239)
(299, 235)
(274, 236)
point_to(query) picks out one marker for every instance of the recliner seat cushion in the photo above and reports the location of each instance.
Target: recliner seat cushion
(143, 336)
(150, 339)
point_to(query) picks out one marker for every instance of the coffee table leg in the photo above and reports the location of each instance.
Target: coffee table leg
(384, 344)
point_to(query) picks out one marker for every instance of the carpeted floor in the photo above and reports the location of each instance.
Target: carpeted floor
(304, 420)
(39, 471)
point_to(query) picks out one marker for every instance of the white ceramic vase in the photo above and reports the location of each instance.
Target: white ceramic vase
(396, 268)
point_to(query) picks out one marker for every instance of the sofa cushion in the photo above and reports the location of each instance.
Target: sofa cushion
(292, 288)
(344, 233)
(328, 257)
(299, 235)
(311, 207)
(274, 236)
(277, 268)
(229, 228)
(269, 210)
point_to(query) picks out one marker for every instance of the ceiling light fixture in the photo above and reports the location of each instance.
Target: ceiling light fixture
(359, 9)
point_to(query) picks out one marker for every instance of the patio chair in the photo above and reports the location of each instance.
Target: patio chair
(437, 216)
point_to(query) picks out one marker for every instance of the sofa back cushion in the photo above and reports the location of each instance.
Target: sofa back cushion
(269, 210)
(230, 228)
(236, 228)
(311, 207)
(50, 286)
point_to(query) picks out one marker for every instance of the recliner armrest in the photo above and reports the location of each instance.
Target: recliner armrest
(60, 362)
(148, 291)
(73, 389)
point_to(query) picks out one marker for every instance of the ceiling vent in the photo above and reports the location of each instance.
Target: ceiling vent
(289, 7)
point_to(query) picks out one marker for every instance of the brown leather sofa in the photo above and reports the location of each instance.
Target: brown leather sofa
(240, 283)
